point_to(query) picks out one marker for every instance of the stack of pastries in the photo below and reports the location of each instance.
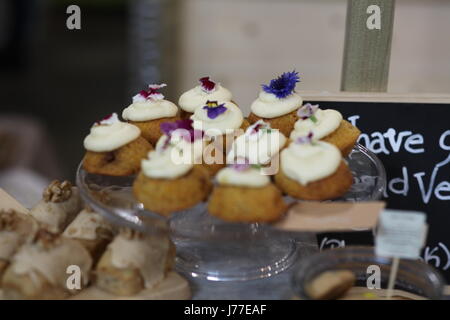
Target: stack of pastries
(205, 150)
(60, 250)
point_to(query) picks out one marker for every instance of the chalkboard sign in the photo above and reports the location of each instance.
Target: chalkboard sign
(413, 142)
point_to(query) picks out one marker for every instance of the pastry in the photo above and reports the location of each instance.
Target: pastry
(92, 231)
(58, 207)
(326, 125)
(313, 170)
(197, 97)
(243, 194)
(133, 262)
(149, 110)
(39, 269)
(259, 144)
(114, 148)
(330, 285)
(15, 229)
(170, 180)
(277, 103)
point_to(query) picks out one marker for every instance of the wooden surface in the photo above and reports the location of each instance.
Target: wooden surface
(367, 51)
(174, 287)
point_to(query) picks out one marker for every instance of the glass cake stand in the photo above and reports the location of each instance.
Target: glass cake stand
(208, 247)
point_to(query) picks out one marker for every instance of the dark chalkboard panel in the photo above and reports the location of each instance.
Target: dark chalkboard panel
(413, 142)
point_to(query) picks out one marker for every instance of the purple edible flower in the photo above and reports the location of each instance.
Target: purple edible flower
(308, 111)
(214, 109)
(305, 139)
(241, 164)
(282, 86)
(185, 126)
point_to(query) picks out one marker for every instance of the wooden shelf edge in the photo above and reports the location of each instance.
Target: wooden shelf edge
(314, 95)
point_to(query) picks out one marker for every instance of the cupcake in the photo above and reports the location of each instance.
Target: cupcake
(326, 125)
(278, 103)
(197, 97)
(221, 122)
(313, 170)
(170, 181)
(149, 110)
(243, 194)
(259, 144)
(114, 148)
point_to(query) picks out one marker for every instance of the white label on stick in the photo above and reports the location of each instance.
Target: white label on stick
(400, 234)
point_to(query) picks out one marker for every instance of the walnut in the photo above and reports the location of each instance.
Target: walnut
(8, 220)
(58, 191)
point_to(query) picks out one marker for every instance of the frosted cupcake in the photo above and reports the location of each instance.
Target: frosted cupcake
(326, 125)
(277, 103)
(197, 97)
(243, 194)
(313, 170)
(148, 110)
(170, 180)
(114, 148)
(259, 144)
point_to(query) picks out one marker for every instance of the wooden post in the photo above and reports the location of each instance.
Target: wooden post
(367, 48)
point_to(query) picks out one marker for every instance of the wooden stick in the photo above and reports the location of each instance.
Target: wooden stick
(392, 277)
(367, 51)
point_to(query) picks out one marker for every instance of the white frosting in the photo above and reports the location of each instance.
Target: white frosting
(247, 178)
(55, 216)
(85, 226)
(327, 121)
(267, 105)
(149, 110)
(189, 152)
(52, 263)
(109, 137)
(165, 164)
(196, 97)
(231, 119)
(310, 162)
(149, 255)
(258, 147)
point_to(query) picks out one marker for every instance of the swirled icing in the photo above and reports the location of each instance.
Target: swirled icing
(267, 105)
(310, 162)
(258, 146)
(196, 97)
(231, 119)
(111, 135)
(149, 110)
(326, 122)
(247, 178)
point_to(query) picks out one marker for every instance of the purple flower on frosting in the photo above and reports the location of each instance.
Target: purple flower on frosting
(305, 139)
(241, 164)
(152, 93)
(308, 112)
(214, 109)
(257, 126)
(282, 86)
(207, 84)
(184, 127)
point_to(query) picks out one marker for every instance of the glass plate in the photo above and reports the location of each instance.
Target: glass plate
(208, 247)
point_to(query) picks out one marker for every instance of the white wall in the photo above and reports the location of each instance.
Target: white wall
(245, 43)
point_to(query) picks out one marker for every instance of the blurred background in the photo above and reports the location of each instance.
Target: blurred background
(55, 82)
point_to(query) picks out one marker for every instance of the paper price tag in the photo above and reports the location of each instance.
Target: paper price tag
(401, 234)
